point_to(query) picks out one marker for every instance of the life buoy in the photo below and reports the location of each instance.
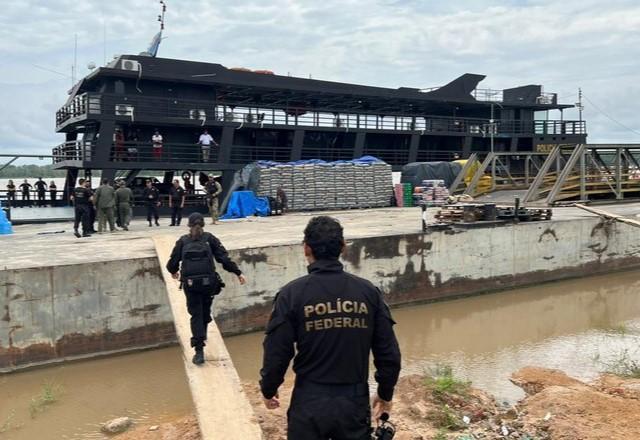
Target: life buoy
(187, 175)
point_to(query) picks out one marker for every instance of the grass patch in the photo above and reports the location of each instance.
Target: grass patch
(443, 382)
(7, 425)
(49, 394)
(622, 365)
(444, 418)
(441, 435)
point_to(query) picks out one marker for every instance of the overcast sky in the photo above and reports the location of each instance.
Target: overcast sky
(562, 45)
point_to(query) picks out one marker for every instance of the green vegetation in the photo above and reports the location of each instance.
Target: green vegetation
(49, 394)
(8, 424)
(445, 418)
(620, 329)
(622, 365)
(31, 171)
(441, 435)
(443, 382)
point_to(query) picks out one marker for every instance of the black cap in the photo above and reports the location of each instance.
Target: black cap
(196, 218)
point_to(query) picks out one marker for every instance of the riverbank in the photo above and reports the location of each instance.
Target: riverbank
(442, 407)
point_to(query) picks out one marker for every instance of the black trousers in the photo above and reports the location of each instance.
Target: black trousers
(335, 412)
(41, 197)
(176, 215)
(82, 215)
(152, 212)
(11, 198)
(199, 307)
(92, 217)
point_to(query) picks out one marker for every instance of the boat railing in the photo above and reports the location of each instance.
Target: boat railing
(173, 110)
(74, 151)
(169, 152)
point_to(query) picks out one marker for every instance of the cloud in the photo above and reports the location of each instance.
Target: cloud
(392, 43)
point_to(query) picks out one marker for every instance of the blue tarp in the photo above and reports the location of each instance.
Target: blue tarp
(244, 204)
(5, 225)
(361, 160)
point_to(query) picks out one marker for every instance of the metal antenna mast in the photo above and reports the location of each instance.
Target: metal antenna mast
(161, 16)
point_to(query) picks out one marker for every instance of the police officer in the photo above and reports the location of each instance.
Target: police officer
(214, 189)
(333, 320)
(151, 197)
(199, 294)
(176, 202)
(124, 201)
(105, 201)
(82, 205)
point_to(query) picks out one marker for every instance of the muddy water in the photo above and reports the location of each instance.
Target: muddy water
(150, 387)
(576, 326)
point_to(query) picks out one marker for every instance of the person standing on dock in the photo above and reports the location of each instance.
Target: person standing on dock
(176, 202)
(124, 200)
(25, 187)
(214, 189)
(151, 197)
(11, 193)
(105, 201)
(41, 190)
(92, 207)
(205, 141)
(157, 142)
(192, 262)
(53, 192)
(330, 321)
(81, 198)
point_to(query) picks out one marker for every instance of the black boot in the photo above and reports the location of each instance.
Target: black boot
(157, 224)
(76, 233)
(150, 225)
(198, 358)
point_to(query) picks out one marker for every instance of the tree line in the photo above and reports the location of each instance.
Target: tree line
(31, 171)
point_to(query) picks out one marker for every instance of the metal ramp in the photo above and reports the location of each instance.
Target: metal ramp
(568, 173)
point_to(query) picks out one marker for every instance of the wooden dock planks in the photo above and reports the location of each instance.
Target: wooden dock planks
(223, 410)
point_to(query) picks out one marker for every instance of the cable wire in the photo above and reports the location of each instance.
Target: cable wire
(608, 116)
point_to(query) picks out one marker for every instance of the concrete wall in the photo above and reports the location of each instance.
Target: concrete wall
(422, 267)
(53, 313)
(76, 310)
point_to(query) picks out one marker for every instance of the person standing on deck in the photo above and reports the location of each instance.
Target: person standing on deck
(176, 202)
(192, 262)
(41, 190)
(81, 198)
(205, 142)
(25, 187)
(124, 201)
(53, 192)
(151, 197)
(157, 143)
(105, 201)
(11, 193)
(214, 189)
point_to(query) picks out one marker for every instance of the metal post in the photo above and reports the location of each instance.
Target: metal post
(619, 194)
(583, 177)
(493, 173)
(491, 127)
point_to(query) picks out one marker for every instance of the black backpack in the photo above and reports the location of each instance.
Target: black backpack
(198, 270)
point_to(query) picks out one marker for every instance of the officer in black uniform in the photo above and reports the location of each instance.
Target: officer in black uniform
(199, 296)
(333, 319)
(82, 205)
(151, 197)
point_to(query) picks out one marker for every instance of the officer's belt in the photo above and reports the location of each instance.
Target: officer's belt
(334, 390)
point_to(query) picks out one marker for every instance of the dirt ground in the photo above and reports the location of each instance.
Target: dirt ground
(557, 407)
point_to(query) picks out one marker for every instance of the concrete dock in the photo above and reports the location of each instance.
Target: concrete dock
(62, 297)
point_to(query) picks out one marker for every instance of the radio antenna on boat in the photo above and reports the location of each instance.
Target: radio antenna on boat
(155, 42)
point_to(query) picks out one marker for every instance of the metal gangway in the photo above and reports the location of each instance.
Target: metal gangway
(568, 173)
